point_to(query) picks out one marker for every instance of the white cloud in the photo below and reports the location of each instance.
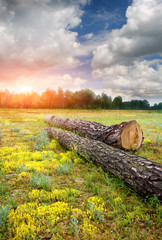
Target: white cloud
(142, 35)
(88, 36)
(39, 83)
(120, 61)
(36, 35)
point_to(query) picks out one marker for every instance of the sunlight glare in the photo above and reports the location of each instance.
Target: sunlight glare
(24, 89)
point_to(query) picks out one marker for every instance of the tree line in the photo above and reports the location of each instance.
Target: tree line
(84, 99)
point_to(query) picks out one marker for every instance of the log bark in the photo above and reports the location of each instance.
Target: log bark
(126, 135)
(143, 175)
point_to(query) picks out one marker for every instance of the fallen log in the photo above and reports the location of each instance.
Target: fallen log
(126, 135)
(143, 175)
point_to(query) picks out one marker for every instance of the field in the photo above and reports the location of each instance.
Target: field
(47, 192)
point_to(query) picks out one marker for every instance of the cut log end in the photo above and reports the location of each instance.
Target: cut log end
(132, 136)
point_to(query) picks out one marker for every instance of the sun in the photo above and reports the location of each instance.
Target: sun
(24, 89)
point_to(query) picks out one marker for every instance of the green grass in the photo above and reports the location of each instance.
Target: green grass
(60, 194)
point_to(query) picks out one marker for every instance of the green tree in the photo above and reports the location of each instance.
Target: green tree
(117, 102)
(106, 102)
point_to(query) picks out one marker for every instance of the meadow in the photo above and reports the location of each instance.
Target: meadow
(47, 192)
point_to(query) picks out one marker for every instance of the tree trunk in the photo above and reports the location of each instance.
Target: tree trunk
(126, 135)
(143, 175)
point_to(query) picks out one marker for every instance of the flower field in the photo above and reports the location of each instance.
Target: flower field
(47, 192)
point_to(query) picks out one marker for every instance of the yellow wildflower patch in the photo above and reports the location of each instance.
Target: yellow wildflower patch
(40, 161)
(76, 212)
(24, 177)
(31, 219)
(88, 227)
(54, 195)
(97, 202)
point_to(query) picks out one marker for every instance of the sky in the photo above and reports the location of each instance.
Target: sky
(110, 46)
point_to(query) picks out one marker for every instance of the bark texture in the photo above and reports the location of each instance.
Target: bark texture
(126, 135)
(143, 175)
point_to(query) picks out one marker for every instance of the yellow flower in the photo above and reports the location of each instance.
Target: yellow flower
(24, 177)
(31, 218)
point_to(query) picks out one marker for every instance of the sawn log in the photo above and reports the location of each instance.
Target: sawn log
(126, 135)
(143, 175)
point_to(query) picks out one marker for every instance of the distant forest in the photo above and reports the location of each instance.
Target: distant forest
(83, 99)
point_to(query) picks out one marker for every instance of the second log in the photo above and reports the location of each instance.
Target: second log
(141, 174)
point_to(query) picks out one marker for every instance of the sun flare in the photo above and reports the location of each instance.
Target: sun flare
(24, 89)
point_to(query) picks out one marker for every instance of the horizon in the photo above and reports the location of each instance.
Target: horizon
(110, 46)
(30, 92)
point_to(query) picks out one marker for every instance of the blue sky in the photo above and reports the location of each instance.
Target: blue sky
(111, 46)
(101, 15)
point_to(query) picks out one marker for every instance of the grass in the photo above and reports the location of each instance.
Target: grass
(47, 192)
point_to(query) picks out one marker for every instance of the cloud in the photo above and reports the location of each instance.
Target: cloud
(142, 35)
(88, 36)
(122, 61)
(36, 35)
(39, 83)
